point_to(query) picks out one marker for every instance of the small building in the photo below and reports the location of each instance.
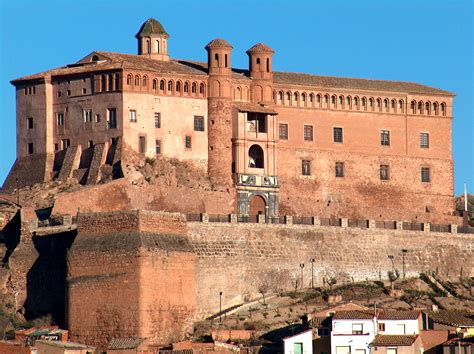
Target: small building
(15, 347)
(55, 347)
(301, 343)
(399, 322)
(453, 320)
(459, 345)
(397, 344)
(127, 346)
(352, 332)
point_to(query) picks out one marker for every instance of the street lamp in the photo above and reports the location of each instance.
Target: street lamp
(391, 258)
(220, 306)
(301, 266)
(404, 251)
(312, 272)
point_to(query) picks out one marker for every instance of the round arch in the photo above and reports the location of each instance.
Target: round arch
(257, 205)
(256, 158)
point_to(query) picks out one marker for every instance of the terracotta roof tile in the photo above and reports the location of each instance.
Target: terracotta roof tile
(218, 43)
(395, 340)
(125, 343)
(353, 315)
(452, 318)
(253, 107)
(398, 315)
(151, 26)
(260, 48)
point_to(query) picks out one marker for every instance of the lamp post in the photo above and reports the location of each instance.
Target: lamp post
(301, 266)
(391, 258)
(220, 306)
(404, 251)
(312, 272)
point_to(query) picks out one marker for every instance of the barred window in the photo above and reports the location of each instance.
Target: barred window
(133, 116)
(87, 115)
(283, 131)
(306, 167)
(157, 120)
(425, 174)
(384, 173)
(337, 134)
(187, 142)
(199, 123)
(158, 147)
(339, 169)
(385, 138)
(308, 133)
(424, 140)
(60, 118)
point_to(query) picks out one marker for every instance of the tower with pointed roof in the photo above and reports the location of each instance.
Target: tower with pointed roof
(153, 40)
(260, 66)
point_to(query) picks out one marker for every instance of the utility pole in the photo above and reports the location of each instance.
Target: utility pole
(404, 251)
(312, 273)
(301, 266)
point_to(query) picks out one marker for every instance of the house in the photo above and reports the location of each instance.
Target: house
(397, 344)
(301, 343)
(127, 346)
(452, 320)
(399, 322)
(352, 331)
(459, 345)
(55, 347)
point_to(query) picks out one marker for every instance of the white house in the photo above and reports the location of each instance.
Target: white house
(301, 343)
(352, 332)
(399, 322)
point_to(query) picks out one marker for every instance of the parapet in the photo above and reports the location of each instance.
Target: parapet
(131, 221)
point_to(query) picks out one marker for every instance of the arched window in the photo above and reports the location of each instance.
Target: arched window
(379, 105)
(170, 86)
(318, 100)
(255, 156)
(154, 85)
(385, 105)
(326, 100)
(95, 58)
(201, 89)
(427, 108)
(333, 101)
(238, 94)
(148, 47)
(392, 106)
(137, 80)
(295, 98)
(420, 107)
(356, 103)
(341, 101)
(162, 85)
(129, 79)
(348, 102)
(400, 106)
(364, 103)
(435, 108)
(280, 97)
(371, 104)
(311, 99)
(443, 109)
(303, 99)
(186, 87)
(194, 88)
(288, 98)
(157, 46)
(111, 82)
(145, 80)
(412, 107)
(216, 59)
(117, 82)
(103, 83)
(178, 86)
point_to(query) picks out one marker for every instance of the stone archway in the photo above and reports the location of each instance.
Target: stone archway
(257, 205)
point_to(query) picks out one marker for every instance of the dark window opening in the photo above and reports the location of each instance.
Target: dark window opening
(158, 147)
(29, 123)
(425, 174)
(90, 144)
(338, 137)
(112, 118)
(339, 169)
(283, 131)
(199, 123)
(308, 133)
(157, 120)
(384, 173)
(268, 65)
(30, 149)
(142, 144)
(385, 138)
(225, 59)
(187, 142)
(256, 157)
(306, 168)
(256, 122)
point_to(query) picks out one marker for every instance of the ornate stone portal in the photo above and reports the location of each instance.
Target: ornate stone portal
(251, 186)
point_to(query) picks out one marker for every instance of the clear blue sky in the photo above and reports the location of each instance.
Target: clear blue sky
(429, 42)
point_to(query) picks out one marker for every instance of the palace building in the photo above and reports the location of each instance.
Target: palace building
(280, 142)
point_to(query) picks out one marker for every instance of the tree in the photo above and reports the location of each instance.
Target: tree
(393, 275)
(331, 281)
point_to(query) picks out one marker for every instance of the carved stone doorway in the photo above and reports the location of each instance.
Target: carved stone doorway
(257, 206)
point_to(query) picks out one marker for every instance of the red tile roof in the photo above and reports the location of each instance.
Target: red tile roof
(353, 315)
(395, 340)
(398, 315)
(452, 318)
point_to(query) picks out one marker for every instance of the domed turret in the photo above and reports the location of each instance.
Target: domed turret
(260, 67)
(153, 40)
(218, 51)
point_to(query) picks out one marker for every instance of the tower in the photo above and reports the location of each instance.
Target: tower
(220, 112)
(260, 67)
(153, 40)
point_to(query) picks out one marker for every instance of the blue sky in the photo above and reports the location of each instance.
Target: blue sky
(429, 42)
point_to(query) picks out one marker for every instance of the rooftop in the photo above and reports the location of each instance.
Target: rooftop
(398, 315)
(452, 318)
(65, 345)
(353, 315)
(150, 27)
(395, 340)
(125, 343)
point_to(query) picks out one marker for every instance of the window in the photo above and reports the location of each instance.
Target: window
(357, 328)
(30, 149)
(157, 120)
(133, 116)
(90, 144)
(65, 143)
(187, 142)
(198, 123)
(158, 147)
(381, 327)
(384, 173)
(339, 169)
(112, 118)
(84, 91)
(391, 350)
(283, 131)
(360, 351)
(308, 133)
(425, 174)
(256, 159)
(337, 134)
(385, 138)
(60, 118)
(141, 144)
(97, 118)
(424, 140)
(29, 123)
(68, 92)
(56, 146)
(59, 93)
(322, 332)
(306, 168)
(87, 113)
(400, 329)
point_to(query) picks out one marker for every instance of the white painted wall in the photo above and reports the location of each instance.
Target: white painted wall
(392, 326)
(341, 336)
(306, 338)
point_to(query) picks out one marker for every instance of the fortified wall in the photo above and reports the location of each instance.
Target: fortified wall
(151, 274)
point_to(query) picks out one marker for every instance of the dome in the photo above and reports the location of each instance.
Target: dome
(150, 27)
(260, 48)
(218, 43)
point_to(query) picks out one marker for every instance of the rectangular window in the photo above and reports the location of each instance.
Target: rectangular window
(306, 168)
(60, 118)
(56, 147)
(385, 138)
(339, 169)
(187, 142)
(69, 92)
(308, 133)
(141, 144)
(158, 147)
(283, 131)
(425, 174)
(157, 120)
(337, 134)
(59, 93)
(401, 329)
(29, 123)
(381, 327)
(198, 123)
(65, 143)
(90, 144)
(133, 116)
(30, 149)
(112, 118)
(87, 115)
(424, 140)
(384, 173)
(357, 328)
(391, 350)
(84, 91)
